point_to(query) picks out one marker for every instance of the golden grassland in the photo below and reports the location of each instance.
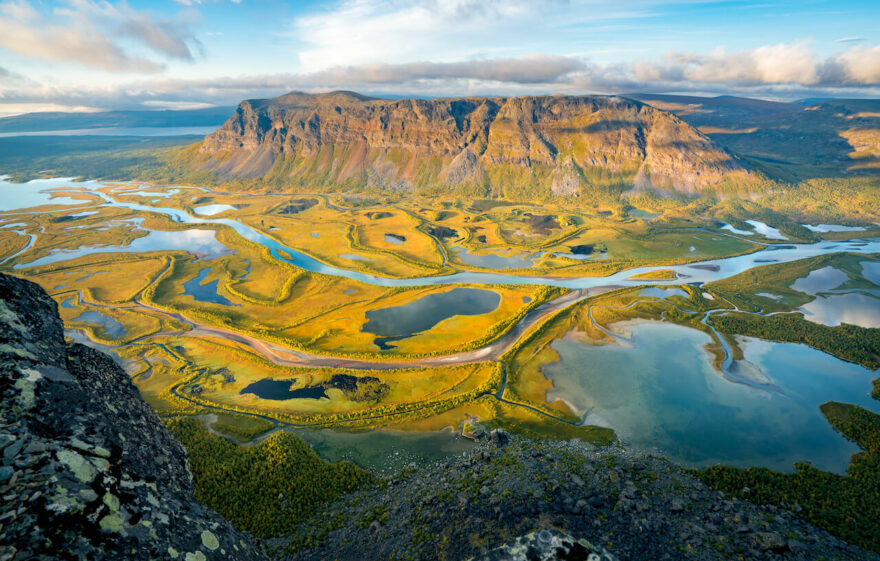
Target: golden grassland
(11, 243)
(662, 274)
(184, 373)
(405, 386)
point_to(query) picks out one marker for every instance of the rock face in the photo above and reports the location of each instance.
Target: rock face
(559, 144)
(88, 471)
(514, 499)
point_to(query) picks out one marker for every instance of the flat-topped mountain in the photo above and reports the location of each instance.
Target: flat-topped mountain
(539, 144)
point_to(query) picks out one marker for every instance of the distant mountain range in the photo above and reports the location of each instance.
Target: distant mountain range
(788, 141)
(560, 144)
(58, 121)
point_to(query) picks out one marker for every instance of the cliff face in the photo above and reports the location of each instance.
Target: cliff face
(88, 471)
(561, 143)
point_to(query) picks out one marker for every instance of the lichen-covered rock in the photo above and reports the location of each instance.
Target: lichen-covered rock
(88, 471)
(517, 499)
(547, 545)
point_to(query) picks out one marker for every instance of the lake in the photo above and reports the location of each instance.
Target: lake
(853, 308)
(111, 328)
(201, 243)
(400, 322)
(659, 391)
(205, 291)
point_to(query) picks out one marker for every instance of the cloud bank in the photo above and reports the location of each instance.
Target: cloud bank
(397, 47)
(93, 34)
(780, 70)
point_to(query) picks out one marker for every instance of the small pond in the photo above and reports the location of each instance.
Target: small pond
(109, 325)
(823, 228)
(766, 231)
(495, 260)
(871, 271)
(820, 280)
(400, 322)
(279, 390)
(661, 391)
(163, 193)
(211, 210)
(643, 214)
(202, 291)
(730, 228)
(853, 308)
(395, 239)
(657, 292)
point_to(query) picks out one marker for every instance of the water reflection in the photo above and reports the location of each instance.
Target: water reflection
(400, 322)
(201, 243)
(660, 391)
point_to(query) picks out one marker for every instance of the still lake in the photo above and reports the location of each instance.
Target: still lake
(659, 391)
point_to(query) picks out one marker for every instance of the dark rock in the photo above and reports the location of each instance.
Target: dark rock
(499, 437)
(97, 475)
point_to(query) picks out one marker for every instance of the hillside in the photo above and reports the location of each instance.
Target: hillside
(558, 144)
(788, 141)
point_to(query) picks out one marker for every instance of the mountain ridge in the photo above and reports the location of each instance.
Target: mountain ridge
(559, 144)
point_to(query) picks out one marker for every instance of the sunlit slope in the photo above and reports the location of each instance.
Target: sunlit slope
(520, 147)
(787, 141)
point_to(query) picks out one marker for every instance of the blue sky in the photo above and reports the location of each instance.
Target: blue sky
(95, 54)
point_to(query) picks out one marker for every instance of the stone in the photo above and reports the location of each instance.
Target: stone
(113, 475)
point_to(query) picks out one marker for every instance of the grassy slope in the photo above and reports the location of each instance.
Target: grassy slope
(265, 489)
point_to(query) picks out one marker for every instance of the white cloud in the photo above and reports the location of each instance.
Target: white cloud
(92, 33)
(779, 71)
(794, 64)
(857, 66)
(531, 69)
(774, 64)
(392, 31)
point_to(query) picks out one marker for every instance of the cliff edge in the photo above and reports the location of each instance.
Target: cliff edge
(88, 471)
(558, 144)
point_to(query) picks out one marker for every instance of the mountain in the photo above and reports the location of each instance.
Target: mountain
(788, 141)
(563, 144)
(88, 471)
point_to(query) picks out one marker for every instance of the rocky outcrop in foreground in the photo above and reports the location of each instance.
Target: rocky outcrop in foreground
(517, 499)
(88, 471)
(541, 144)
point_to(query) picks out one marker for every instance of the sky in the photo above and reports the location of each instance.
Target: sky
(86, 55)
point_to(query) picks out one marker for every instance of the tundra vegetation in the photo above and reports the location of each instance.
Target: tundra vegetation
(200, 320)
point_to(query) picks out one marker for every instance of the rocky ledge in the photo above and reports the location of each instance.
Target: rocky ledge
(88, 471)
(516, 499)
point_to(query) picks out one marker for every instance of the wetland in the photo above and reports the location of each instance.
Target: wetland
(409, 320)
